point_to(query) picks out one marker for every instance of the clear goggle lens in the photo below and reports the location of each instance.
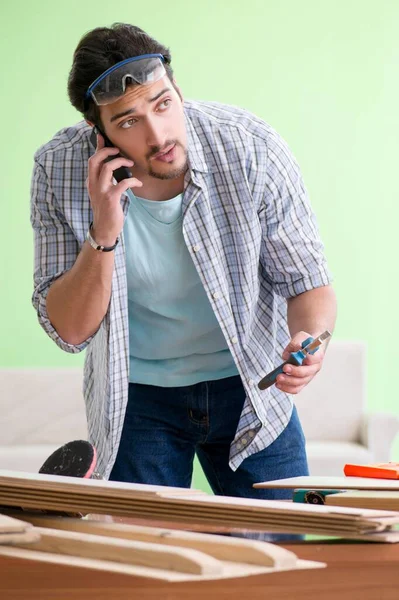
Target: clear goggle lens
(112, 84)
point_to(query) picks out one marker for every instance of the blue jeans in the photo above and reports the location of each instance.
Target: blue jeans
(165, 427)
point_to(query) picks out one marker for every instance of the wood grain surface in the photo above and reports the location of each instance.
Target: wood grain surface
(355, 572)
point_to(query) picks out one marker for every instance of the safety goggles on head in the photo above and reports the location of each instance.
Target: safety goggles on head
(111, 85)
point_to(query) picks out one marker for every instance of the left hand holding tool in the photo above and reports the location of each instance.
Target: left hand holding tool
(301, 363)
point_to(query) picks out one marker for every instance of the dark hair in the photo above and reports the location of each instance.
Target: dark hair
(99, 50)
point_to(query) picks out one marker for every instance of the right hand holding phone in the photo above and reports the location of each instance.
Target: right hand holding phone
(105, 195)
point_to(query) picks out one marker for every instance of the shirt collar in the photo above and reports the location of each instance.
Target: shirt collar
(195, 148)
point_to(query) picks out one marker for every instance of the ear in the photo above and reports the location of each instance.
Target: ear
(89, 123)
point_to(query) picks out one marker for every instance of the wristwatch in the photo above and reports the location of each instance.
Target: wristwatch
(98, 247)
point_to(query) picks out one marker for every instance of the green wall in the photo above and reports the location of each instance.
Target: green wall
(324, 74)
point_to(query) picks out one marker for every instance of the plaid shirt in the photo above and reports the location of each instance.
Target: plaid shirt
(252, 236)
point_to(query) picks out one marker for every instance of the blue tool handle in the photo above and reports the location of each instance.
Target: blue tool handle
(296, 359)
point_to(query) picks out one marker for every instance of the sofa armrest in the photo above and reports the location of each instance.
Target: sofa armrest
(378, 433)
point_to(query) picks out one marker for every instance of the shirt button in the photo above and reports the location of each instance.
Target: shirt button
(234, 340)
(244, 441)
(196, 248)
(251, 382)
(215, 295)
(251, 434)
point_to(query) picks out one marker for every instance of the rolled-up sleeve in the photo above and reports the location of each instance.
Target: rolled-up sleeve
(55, 251)
(292, 254)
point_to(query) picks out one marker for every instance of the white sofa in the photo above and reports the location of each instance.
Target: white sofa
(41, 409)
(333, 410)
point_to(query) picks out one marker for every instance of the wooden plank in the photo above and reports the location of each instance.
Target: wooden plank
(220, 547)
(272, 523)
(306, 512)
(10, 524)
(233, 571)
(97, 566)
(55, 493)
(268, 522)
(124, 551)
(366, 571)
(384, 500)
(218, 503)
(20, 479)
(214, 503)
(27, 537)
(62, 522)
(331, 483)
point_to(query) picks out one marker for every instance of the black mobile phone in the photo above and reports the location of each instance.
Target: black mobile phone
(122, 172)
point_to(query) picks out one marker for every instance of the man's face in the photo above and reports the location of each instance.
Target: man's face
(147, 125)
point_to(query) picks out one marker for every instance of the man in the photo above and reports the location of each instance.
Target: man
(186, 281)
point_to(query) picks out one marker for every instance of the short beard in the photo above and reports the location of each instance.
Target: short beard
(171, 174)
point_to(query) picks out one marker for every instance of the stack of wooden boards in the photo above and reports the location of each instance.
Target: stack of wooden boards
(355, 492)
(174, 556)
(73, 495)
